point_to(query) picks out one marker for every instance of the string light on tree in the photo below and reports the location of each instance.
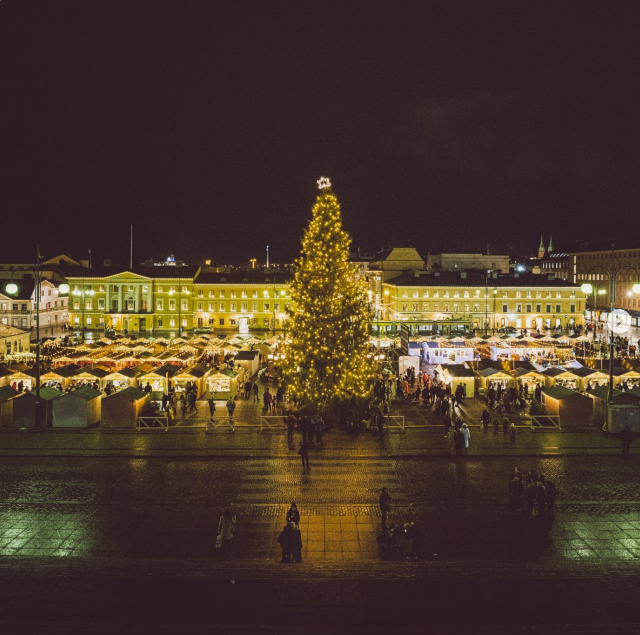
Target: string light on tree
(327, 335)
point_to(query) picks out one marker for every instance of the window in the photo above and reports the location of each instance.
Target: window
(172, 322)
(538, 308)
(115, 288)
(200, 306)
(159, 305)
(144, 305)
(446, 307)
(212, 293)
(101, 288)
(145, 288)
(254, 307)
(212, 306)
(445, 294)
(265, 322)
(436, 294)
(404, 307)
(405, 294)
(243, 307)
(232, 294)
(172, 289)
(172, 305)
(243, 294)
(456, 294)
(436, 306)
(558, 294)
(185, 305)
(76, 306)
(185, 289)
(505, 294)
(466, 307)
(159, 322)
(558, 308)
(232, 322)
(518, 294)
(221, 294)
(425, 306)
(276, 306)
(455, 307)
(548, 308)
(265, 293)
(266, 306)
(572, 307)
(529, 308)
(466, 294)
(233, 307)
(158, 289)
(425, 294)
(89, 305)
(88, 320)
(221, 306)
(221, 321)
(538, 294)
(505, 308)
(415, 306)
(254, 294)
(130, 289)
(201, 293)
(528, 294)
(184, 321)
(476, 307)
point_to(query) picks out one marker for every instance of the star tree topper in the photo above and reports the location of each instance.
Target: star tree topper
(323, 182)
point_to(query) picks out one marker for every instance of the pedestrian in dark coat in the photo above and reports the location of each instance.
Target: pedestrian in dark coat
(626, 437)
(515, 490)
(293, 515)
(296, 544)
(385, 506)
(304, 454)
(285, 539)
(212, 408)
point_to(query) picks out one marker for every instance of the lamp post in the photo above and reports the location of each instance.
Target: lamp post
(612, 272)
(12, 289)
(82, 293)
(179, 305)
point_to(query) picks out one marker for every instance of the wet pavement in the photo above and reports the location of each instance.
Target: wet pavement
(117, 530)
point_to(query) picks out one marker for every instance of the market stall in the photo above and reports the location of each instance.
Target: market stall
(447, 352)
(573, 408)
(559, 376)
(195, 375)
(77, 409)
(590, 378)
(159, 379)
(91, 375)
(459, 374)
(249, 360)
(492, 377)
(600, 398)
(24, 408)
(222, 384)
(626, 379)
(7, 394)
(5, 373)
(528, 378)
(122, 409)
(21, 380)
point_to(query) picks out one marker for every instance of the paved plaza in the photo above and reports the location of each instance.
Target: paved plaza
(96, 519)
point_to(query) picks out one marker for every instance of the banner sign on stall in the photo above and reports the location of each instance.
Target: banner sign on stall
(404, 339)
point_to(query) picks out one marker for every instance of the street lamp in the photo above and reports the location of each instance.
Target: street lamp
(12, 289)
(612, 272)
(83, 293)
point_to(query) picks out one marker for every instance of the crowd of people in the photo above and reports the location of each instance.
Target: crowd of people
(532, 499)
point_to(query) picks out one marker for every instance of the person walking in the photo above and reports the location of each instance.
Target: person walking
(290, 422)
(226, 529)
(413, 534)
(247, 389)
(512, 433)
(466, 435)
(231, 406)
(304, 454)
(285, 539)
(485, 417)
(267, 398)
(296, 544)
(626, 438)
(293, 515)
(515, 491)
(384, 501)
(255, 392)
(319, 429)
(212, 408)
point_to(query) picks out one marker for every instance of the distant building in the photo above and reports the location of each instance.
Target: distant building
(461, 262)
(13, 340)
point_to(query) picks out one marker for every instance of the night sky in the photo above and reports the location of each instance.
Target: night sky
(445, 126)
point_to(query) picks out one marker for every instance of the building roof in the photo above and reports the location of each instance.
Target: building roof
(619, 396)
(46, 393)
(128, 394)
(582, 371)
(553, 371)
(239, 277)
(560, 392)
(6, 392)
(10, 331)
(475, 278)
(86, 392)
(459, 370)
(243, 356)
(174, 273)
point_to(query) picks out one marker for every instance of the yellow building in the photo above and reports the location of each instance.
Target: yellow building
(473, 299)
(163, 299)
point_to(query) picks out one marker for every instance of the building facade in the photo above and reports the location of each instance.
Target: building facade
(166, 299)
(473, 300)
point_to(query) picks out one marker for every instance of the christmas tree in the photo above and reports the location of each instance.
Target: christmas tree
(326, 351)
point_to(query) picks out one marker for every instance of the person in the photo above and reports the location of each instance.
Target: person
(290, 422)
(304, 454)
(226, 529)
(515, 490)
(485, 417)
(285, 539)
(458, 440)
(255, 392)
(552, 494)
(512, 433)
(293, 515)
(212, 408)
(247, 389)
(530, 492)
(447, 424)
(626, 437)
(296, 544)
(466, 435)
(193, 402)
(319, 429)
(384, 501)
(388, 546)
(380, 425)
(413, 534)
(183, 406)
(541, 501)
(267, 399)
(231, 406)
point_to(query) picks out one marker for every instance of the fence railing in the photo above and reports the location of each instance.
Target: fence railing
(223, 422)
(394, 423)
(158, 422)
(545, 422)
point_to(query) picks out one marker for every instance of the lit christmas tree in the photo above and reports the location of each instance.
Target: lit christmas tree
(327, 361)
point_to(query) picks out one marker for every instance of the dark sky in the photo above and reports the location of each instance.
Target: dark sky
(446, 126)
